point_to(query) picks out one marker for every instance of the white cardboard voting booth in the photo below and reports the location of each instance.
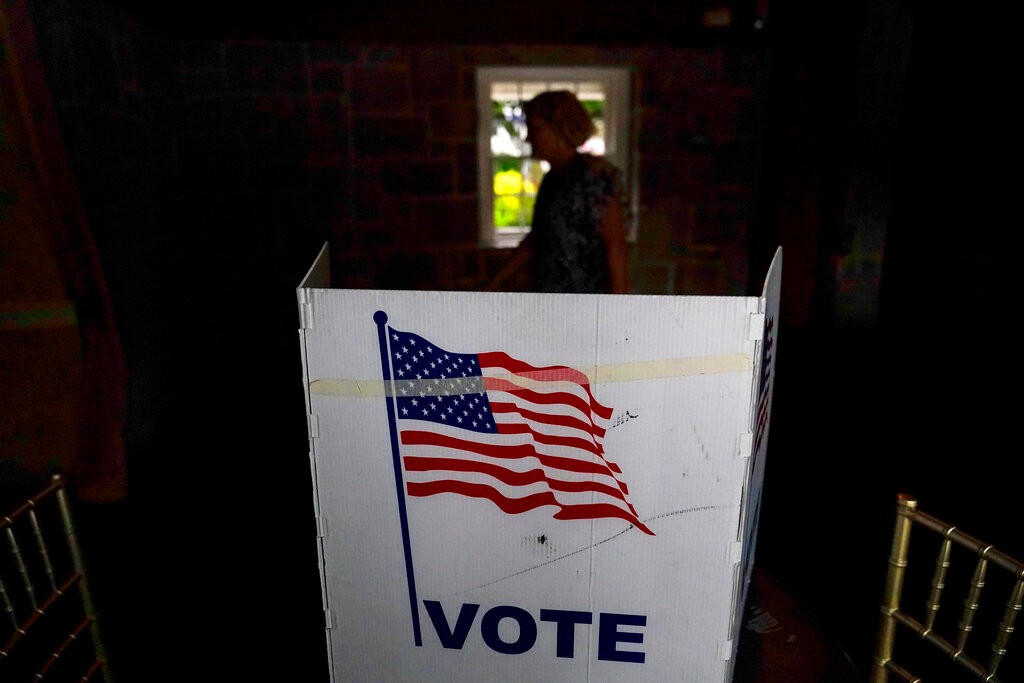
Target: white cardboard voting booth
(542, 487)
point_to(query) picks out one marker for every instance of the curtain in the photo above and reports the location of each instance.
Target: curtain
(62, 371)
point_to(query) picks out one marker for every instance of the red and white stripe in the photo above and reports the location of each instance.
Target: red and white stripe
(547, 452)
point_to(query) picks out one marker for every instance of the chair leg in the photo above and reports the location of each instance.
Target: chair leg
(905, 508)
(76, 560)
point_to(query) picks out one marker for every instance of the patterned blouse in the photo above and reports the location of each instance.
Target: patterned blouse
(569, 252)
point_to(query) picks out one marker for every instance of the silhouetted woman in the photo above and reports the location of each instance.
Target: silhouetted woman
(577, 242)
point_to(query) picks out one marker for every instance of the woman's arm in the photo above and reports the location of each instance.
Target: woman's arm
(521, 258)
(613, 230)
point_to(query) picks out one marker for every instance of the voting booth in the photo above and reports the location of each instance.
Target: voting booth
(549, 487)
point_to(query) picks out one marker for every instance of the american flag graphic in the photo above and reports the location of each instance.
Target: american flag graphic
(486, 425)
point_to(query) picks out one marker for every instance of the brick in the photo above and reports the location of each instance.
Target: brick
(385, 135)
(726, 110)
(748, 69)
(127, 78)
(386, 54)
(210, 151)
(202, 54)
(418, 178)
(266, 68)
(96, 72)
(435, 74)
(328, 191)
(497, 54)
(654, 234)
(252, 114)
(683, 176)
(662, 134)
(652, 278)
(295, 147)
(354, 273)
(385, 232)
(327, 146)
(370, 204)
(205, 115)
(454, 121)
(328, 78)
(718, 225)
(293, 115)
(166, 114)
(138, 143)
(291, 210)
(446, 221)
(156, 64)
(381, 90)
(495, 260)
(467, 88)
(203, 83)
(467, 269)
(735, 163)
(136, 105)
(407, 271)
(666, 70)
(466, 168)
(328, 111)
(329, 126)
(737, 265)
(262, 149)
(701, 275)
(333, 53)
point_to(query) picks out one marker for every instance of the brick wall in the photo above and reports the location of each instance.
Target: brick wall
(375, 147)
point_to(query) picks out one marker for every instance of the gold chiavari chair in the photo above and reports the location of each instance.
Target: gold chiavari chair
(50, 631)
(892, 615)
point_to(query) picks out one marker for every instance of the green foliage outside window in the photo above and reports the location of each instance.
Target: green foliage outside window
(594, 107)
(514, 196)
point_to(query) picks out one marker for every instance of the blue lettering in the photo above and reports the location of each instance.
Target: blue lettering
(527, 630)
(608, 639)
(565, 634)
(453, 639)
(609, 636)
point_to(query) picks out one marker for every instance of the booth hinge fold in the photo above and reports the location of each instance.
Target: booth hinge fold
(756, 331)
(725, 650)
(321, 527)
(328, 619)
(744, 445)
(305, 316)
(735, 552)
(313, 425)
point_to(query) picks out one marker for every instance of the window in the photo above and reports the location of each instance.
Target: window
(508, 177)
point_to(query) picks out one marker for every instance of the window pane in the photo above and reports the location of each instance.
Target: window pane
(508, 181)
(527, 204)
(594, 107)
(532, 175)
(506, 212)
(590, 90)
(533, 88)
(505, 90)
(506, 131)
(562, 85)
(596, 144)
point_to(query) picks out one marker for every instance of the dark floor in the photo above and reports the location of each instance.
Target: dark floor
(208, 570)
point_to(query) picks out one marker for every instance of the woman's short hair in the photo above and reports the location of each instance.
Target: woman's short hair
(564, 113)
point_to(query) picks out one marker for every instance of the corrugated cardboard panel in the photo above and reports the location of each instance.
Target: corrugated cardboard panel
(506, 595)
(760, 414)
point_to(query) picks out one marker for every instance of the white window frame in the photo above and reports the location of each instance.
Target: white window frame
(616, 124)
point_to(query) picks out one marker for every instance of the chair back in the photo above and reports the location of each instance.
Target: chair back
(893, 615)
(48, 631)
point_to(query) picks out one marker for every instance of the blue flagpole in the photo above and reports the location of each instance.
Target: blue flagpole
(381, 318)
